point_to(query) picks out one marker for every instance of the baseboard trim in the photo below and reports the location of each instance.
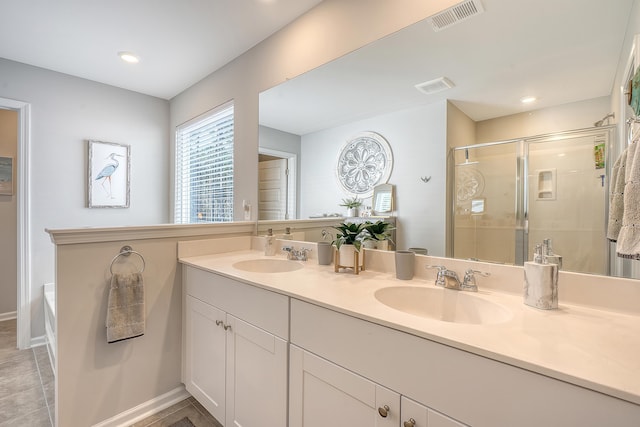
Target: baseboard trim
(38, 341)
(8, 316)
(146, 409)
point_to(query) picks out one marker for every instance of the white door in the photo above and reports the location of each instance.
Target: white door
(205, 352)
(272, 189)
(256, 376)
(324, 394)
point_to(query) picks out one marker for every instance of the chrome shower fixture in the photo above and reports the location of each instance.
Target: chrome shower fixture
(605, 118)
(466, 159)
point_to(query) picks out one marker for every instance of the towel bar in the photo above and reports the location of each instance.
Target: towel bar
(126, 251)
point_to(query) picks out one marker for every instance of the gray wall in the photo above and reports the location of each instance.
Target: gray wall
(8, 220)
(65, 112)
(418, 142)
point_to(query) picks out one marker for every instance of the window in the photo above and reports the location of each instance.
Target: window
(204, 168)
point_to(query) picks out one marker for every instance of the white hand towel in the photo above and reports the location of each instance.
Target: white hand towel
(628, 245)
(125, 308)
(616, 197)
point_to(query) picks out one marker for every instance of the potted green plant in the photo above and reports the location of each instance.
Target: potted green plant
(349, 241)
(352, 205)
(378, 234)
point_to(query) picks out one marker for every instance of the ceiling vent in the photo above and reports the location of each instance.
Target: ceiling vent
(435, 85)
(456, 14)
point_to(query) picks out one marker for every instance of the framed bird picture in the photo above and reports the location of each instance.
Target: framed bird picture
(108, 175)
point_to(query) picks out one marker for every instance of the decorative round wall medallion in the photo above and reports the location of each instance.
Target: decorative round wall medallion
(469, 183)
(364, 162)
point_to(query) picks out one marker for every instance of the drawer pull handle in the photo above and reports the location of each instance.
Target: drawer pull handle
(226, 327)
(384, 411)
(410, 423)
(219, 323)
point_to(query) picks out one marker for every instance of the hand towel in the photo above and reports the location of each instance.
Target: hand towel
(125, 308)
(628, 245)
(616, 200)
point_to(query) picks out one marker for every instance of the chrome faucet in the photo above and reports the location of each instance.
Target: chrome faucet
(296, 254)
(469, 281)
(449, 279)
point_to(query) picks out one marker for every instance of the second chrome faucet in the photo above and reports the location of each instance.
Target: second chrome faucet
(449, 279)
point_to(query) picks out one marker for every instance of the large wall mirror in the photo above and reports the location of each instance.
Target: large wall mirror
(567, 58)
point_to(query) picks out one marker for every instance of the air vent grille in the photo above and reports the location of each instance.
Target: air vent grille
(456, 14)
(435, 85)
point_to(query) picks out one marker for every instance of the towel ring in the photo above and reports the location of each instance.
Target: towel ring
(126, 251)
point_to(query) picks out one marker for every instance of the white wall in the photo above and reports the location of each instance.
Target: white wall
(8, 215)
(65, 112)
(418, 141)
(330, 30)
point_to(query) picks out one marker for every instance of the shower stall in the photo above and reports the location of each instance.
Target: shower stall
(510, 195)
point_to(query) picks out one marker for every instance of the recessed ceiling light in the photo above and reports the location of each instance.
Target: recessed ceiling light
(528, 99)
(129, 57)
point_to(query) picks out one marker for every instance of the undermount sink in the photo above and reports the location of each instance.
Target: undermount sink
(443, 304)
(267, 265)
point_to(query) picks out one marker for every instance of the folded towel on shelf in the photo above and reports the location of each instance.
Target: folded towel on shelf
(628, 245)
(616, 197)
(125, 308)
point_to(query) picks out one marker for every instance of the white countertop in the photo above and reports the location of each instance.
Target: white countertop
(596, 349)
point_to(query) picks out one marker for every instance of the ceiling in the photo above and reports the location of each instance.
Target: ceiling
(560, 51)
(178, 42)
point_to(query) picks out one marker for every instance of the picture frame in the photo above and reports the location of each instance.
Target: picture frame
(108, 176)
(6, 176)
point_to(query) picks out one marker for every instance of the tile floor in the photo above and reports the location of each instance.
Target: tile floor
(26, 382)
(187, 408)
(27, 393)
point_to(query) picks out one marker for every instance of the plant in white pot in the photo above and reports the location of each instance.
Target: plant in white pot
(378, 235)
(352, 206)
(349, 241)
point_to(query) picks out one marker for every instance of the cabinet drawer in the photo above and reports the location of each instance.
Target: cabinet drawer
(260, 307)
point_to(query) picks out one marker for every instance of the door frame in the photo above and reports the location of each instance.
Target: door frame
(292, 178)
(23, 314)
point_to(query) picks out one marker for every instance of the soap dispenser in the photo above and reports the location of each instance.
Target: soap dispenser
(541, 281)
(287, 234)
(269, 243)
(549, 257)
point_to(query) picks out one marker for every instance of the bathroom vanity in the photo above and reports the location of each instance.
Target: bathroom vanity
(304, 346)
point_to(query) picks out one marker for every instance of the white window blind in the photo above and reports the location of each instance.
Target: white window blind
(204, 168)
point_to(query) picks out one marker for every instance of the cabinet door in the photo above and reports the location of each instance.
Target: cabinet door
(415, 414)
(324, 394)
(256, 376)
(205, 352)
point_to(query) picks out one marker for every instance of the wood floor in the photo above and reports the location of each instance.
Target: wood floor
(27, 390)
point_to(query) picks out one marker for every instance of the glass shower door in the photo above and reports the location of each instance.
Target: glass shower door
(567, 198)
(485, 218)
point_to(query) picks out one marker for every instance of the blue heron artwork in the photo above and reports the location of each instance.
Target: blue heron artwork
(108, 174)
(107, 171)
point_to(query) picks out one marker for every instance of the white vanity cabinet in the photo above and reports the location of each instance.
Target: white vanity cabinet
(454, 388)
(235, 349)
(324, 394)
(413, 414)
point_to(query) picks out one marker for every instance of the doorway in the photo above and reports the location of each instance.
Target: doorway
(22, 190)
(277, 182)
